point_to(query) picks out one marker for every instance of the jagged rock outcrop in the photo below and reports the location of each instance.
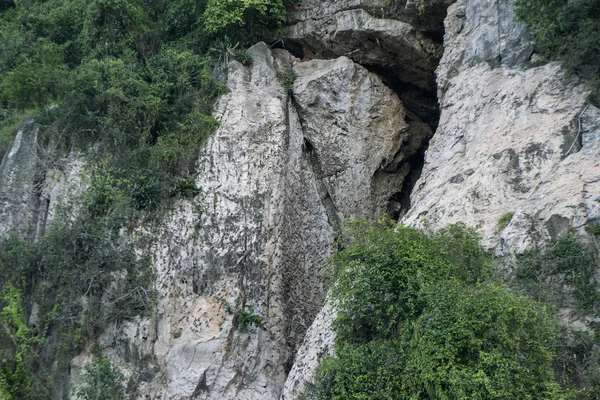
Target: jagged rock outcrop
(277, 177)
(287, 166)
(398, 40)
(511, 138)
(280, 174)
(34, 181)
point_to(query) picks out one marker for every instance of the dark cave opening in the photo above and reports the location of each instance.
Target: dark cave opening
(422, 108)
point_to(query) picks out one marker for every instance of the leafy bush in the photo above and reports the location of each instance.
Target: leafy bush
(421, 317)
(81, 278)
(567, 30)
(101, 381)
(481, 342)
(382, 269)
(243, 19)
(563, 274)
(18, 344)
(108, 74)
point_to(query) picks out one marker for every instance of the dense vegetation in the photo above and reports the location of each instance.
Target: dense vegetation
(128, 84)
(569, 31)
(427, 317)
(130, 77)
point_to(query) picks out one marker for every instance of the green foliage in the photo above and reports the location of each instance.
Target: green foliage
(481, 342)
(421, 317)
(101, 381)
(246, 318)
(110, 75)
(594, 230)
(82, 278)
(365, 371)
(382, 269)
(567, 30)
(504, 220)
(563, 274)
(187, 188)
(542, 274)
(18, 347)
(225, 50)
(244, 20)
(287, 78)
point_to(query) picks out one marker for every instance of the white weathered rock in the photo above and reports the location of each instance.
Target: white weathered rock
(502, 145)
(318, 343)
(504, 138)
(279, 174)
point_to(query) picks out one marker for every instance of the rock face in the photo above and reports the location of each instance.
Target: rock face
(396, 40)
(33, 183)
(510, 139)
(285, 167)
(289, 164)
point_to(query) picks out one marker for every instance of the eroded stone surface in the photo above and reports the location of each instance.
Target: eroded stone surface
(348, 28)
(502, 145)
(504, 137)
(277, 177)
(34, 182)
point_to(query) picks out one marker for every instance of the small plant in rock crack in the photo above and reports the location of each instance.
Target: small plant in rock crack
(246, 318)
(504, 220)
(287, 78)
(225, 50)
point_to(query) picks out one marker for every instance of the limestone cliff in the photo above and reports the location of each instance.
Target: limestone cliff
(283, 169)
(346, 140)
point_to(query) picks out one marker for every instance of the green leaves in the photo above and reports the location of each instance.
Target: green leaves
(244, 20)
(481, 342)
(568, 31)
(419, 317)
(101, 381)
(382, 270)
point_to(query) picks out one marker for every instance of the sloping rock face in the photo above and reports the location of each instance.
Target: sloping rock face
(277, 177)
(510, 139)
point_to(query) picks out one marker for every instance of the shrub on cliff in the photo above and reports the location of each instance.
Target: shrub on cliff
(569, 31)
(421, 317)
(243, 19)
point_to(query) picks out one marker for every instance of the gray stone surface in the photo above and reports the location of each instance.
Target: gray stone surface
(348, 28)
(285, 168)
(34, 182)
(502, 145)
(482, 31)
(278, 175)
(504, 137)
